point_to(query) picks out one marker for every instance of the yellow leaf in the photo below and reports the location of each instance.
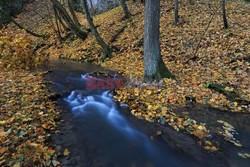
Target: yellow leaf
(2, 122)
(211, 148)
(199, 133)
(66, 152)
(17, 164)
(2, 150)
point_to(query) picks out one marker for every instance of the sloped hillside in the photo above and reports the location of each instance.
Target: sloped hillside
(211, 64)
(222, 56)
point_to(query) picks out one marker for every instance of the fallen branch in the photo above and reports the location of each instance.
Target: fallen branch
(168, 10)
(221, 89)
(194, 57)
(231, 96)
(115, 36)
(235, 22)
(20, 26)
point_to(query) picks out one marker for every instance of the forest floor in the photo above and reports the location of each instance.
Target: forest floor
(222, 58)
(27, 119)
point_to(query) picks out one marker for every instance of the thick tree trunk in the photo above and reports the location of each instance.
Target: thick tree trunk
(72, 12)
(94, 31)
(154, 67)
(176, 12)
(125, 9)
(224, 15)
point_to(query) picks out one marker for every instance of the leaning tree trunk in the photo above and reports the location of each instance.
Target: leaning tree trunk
(176, 12)
(154, 67)
(224, 15)
(72, 12)
(94, 30)
(125, 9)
(57, 23)
(91, 4)
(70, 23)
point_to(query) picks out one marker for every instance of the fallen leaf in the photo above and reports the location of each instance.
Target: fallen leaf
(200, 133)
(55, 162)
(66, 152)
(3, 150)
(244, 155)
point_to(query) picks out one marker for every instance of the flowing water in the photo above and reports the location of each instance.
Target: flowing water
(98, 133)
(102, 121)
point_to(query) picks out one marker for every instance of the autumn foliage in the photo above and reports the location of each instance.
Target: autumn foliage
(17, 51)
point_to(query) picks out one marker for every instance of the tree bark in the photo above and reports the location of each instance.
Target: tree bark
(176, 12)
(224, 15)
(127, 14)
(57, 23)
(72, 12)
(154, 67)
(95, 32)
(91, 4)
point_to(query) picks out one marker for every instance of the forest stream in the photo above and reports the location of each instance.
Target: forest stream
(100, 132)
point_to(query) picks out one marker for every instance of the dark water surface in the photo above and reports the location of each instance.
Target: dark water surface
(99, 133)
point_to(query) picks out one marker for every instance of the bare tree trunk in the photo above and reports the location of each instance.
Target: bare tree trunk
(72, 12)
(73, 27)
(95, 32)
(91, 9)
(176, 12)
(154, 67)
(91, 4)
(57, 23)
(224, 14)
(125, 9)
(61, 21)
